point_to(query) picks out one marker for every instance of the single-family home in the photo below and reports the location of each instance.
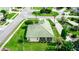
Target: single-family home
(76, 9)
(41, 32)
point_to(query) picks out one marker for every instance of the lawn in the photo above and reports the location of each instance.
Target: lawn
(35, 46)
(2, 22)
(56, 34)
(19, 43)
(9, 16)
(54, 28)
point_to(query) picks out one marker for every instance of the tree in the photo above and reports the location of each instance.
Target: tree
(3, 11)
(63, 33)
(45, 10)
(67, 46)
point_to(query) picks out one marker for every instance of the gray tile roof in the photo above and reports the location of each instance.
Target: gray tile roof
(40, 30)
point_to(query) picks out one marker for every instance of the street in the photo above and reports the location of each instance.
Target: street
(10, 27)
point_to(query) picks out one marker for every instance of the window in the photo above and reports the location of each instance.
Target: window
(49, 39)
(42, 39)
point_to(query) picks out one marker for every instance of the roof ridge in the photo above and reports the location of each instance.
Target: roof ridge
(45, 29)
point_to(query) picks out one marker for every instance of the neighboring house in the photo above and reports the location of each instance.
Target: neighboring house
(1, 16)
(5, 8)
(76, 9)
(40, 32)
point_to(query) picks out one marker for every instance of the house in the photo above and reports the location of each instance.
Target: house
(5, 8)
(1, 16)
(40, 32)
(76, 9)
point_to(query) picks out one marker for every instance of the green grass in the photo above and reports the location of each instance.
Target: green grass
(9, 16)
(13, 43)
(19, 43)
(2, 22)
(14, 16)
(57, 36)
(54, 28)
(35, 46)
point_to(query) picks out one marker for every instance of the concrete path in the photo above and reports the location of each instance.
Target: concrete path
(73, 23)
(57, 25)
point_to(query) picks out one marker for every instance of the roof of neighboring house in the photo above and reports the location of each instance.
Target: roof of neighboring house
(4, 8)
(40, 30)
(1, 16)
(76, 9)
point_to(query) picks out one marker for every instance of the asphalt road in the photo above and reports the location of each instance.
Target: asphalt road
(10, 27)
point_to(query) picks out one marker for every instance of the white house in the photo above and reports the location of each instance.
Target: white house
(40, 32)
(1, 16)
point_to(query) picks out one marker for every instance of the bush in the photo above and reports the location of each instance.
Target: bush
(31, 21)
(51, 22)
(74, 28)
(59, 8)
(74, 36)
(76, 45)
(45, 10)
(28, 22)
(20, 41)
(67, 46)
(3, 11)
(63, 34)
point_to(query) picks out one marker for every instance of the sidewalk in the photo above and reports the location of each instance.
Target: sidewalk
(72, 22)
(57, 25)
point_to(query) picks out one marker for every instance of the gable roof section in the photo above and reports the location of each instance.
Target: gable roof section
(40, 30)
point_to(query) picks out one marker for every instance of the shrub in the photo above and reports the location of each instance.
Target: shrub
(74, 36)
(28, 22)
(63, 34)
(51, 22)
(45, 10)
(59, 8)
(67, 46)
(76, 45)
(74, 28)
(3, 11)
